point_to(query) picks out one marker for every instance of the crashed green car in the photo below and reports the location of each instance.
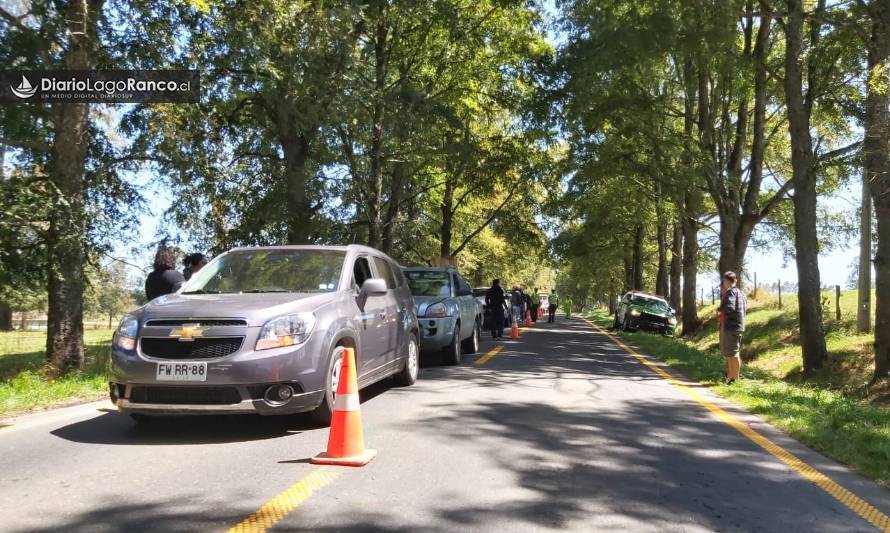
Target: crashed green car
(638, 310)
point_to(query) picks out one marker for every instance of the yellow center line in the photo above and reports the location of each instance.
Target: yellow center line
(278, 507)
(856, 504)
(489, 355)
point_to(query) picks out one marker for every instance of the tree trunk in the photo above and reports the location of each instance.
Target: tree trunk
(691, 322)
(628, 270)
(639, 234)
(661, 230)
(806, 239)
(676, 265)
(5, 316)
(863, 313)
(876, 146)
(375, 201)
(396, 188)
(295, 140)
(447, 219)
(66, 236)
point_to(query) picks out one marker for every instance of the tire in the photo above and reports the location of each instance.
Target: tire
(409, 373)
(615, 323)
(452, 352)
(625, 325)
(323, 413)
(471, 344)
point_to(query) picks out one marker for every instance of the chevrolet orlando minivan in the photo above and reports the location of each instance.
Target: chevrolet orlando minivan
(262, 330)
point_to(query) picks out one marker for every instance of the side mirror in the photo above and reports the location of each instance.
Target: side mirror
(371, 287)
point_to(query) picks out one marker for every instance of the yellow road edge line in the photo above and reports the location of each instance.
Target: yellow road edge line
(856, 504)
(489, 355)
(280, 506)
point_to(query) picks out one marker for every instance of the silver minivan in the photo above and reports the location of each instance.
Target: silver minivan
(262, 330)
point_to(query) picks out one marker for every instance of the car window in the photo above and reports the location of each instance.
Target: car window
(462, 286)
(429, 282)
(361, 271)
(397, 272)
(270, 270)
(652, 302)
(385, 272)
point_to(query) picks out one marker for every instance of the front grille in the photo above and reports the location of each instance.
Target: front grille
(654, 319)
(201, 348)
(206, 322)
(185, 395)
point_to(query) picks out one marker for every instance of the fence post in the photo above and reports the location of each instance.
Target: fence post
(780, 294)
(712, 295)
(702, 296)
(837, 302)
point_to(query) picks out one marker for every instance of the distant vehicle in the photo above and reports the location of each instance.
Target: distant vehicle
(639, 310)
(262, 330)
(449, 315)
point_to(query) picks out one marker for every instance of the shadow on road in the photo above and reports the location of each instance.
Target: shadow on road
(118, 429)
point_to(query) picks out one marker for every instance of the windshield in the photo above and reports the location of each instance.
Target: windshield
(480, 292)
(271, 270)
(651, 302)
(429, 282)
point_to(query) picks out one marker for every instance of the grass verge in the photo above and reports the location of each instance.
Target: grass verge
(23, 385)
(843, 427)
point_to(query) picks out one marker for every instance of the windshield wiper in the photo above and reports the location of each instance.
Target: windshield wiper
(256, 291)
(202, 291)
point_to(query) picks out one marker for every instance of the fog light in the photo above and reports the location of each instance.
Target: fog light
(278, 394)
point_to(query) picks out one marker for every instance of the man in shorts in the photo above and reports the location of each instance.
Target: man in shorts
(733, 306)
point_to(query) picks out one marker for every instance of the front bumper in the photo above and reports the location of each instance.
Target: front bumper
(235, 383)
(436, 333)
(650, 325)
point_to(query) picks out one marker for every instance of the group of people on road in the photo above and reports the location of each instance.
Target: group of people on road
(165, 279)
(516, 305)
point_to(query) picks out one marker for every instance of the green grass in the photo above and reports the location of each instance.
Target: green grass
(23, 385)
(829, 416)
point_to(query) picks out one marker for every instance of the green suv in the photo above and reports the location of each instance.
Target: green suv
(638, 310)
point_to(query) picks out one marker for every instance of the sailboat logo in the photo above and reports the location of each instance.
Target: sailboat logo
(24, 90)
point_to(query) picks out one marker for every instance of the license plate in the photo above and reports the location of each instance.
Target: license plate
(182, 372)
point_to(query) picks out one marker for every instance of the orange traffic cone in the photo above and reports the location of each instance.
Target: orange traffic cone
(528, 319)
(514, 330)
(346, 442)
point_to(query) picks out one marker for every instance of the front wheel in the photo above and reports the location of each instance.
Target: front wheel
(471, 344)
(615, 323)
(452, 351)
(323, 413)
(408, 375)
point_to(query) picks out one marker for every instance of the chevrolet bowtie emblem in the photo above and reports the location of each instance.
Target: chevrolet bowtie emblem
(187, 332)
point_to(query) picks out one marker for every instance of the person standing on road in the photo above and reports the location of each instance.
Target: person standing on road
(536, 304)
(164, 279)
(496, 301)
(567, 304)
(554, 305)
(516, 303)
(733, 306)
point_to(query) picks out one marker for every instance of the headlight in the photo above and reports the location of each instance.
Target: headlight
(125, 335)
(287, 330)
(438, 309)
(634, 312)
(672, 321)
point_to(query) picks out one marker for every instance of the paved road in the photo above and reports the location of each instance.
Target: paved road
(561, 430)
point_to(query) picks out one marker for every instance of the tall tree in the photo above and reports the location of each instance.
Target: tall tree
(877, 170)
(800, 100)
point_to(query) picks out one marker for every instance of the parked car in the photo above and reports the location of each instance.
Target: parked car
(449, 315)
(638, 310)
(263, 330)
